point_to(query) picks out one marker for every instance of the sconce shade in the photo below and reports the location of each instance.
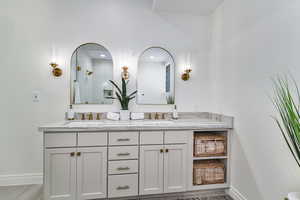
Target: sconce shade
(186, 75)
(125, 73)
(57, 72)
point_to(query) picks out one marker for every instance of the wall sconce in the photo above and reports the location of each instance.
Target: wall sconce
(186, 75)
(125, 73)
(57, 72)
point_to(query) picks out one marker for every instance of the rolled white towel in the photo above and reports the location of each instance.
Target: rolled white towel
(113, 116)
(137, 116)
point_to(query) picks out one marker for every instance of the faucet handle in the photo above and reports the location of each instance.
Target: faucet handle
(82, 116)
(91, 116)
(156, 116)
(98, 116)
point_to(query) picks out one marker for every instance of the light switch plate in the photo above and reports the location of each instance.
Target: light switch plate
(36, 96)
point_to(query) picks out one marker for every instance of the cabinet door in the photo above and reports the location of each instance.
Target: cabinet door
(60, 174)
(175, 166)
(91, 173)
(151, 169)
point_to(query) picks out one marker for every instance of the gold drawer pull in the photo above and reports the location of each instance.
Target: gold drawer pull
(161, 151)
(126, 187)
(167, 150)
(78, 153)
(123, 154)
(72, 154)
(123, 139)
(123, 168)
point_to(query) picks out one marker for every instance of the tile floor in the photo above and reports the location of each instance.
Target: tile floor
(34, 192)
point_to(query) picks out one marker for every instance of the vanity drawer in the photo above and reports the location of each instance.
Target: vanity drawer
(122, 185)
(176, 137)
(123, 153)
(123, 167)
(92, 139)
(123, 138)
(60, 140)
(151, 137)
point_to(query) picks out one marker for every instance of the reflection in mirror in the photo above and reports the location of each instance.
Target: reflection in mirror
(91, 70)
(155, 77)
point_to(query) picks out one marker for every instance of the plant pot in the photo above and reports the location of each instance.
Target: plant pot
(294, 196)
(124, 115)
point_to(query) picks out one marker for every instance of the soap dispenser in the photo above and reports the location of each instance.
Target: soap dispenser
(70, 113)
(175, 113)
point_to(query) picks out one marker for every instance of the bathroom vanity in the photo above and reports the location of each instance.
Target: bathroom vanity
(106, 159)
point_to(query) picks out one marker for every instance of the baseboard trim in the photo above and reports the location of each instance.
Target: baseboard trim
(21, 179)
(235, 194)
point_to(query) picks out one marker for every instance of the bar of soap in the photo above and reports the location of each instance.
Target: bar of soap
(137, 116)
(113, 116)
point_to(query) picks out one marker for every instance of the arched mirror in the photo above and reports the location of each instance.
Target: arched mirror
(155, 77)
(91, 70)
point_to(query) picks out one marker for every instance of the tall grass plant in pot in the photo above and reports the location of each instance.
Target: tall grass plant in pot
(288, 107)
(123, 98)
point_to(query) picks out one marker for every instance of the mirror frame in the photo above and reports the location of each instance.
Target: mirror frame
(174, 76)
(71, 81)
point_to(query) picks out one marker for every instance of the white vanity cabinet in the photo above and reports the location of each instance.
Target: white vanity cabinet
(72, 171)
(120, 164)
(91, 173)
(163, 166)
(60, 174)
(151, 169)
(175, 168)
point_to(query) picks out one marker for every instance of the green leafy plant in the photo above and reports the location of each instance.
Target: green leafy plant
(121, 94)
(288, 106)
(170, 100)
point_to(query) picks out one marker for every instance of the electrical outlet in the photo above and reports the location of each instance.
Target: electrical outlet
(36, 96)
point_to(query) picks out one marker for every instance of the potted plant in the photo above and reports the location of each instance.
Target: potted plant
(289, 122)
(123, 98)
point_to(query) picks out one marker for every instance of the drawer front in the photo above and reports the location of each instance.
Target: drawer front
(176, 137)
(123, 167)
(122, 185)
(92, 139)
(123, 138)
(152, 137)
(123, 153)
(60, 140)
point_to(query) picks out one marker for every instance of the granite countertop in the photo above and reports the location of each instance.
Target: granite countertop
(188, 122)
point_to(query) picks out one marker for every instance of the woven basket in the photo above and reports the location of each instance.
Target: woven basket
(208, 172)
(209, 145)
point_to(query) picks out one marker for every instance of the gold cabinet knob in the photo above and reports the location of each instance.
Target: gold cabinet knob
(167, 150)
(72, 154)
(78, 153)
(161, 151)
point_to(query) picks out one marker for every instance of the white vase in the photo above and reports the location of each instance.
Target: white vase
(124, 115)
(294, 196)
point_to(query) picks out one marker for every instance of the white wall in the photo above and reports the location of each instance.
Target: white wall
(126, 27)
(252, 42)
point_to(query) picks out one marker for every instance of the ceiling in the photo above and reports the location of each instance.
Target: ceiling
(194, 7)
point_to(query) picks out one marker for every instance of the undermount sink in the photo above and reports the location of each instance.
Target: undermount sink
(155, 122)
(84, 123)
(117, 123)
